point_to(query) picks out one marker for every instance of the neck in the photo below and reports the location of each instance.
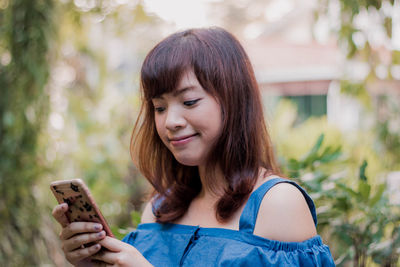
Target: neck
(209, 191)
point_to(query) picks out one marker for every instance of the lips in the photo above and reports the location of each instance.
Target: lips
(181, 140)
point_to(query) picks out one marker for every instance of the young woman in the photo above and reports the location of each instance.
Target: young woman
(201, 142)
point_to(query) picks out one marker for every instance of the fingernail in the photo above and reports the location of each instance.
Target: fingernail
(98, 227)
(97, 246)
(100, 234)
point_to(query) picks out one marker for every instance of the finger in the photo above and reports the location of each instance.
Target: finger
(97, 263)
(80, 254)
(112, 244)
(108, 257)
(59, 214)
(80, 228)
(82, 239)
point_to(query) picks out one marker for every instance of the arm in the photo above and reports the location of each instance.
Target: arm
(284, 215)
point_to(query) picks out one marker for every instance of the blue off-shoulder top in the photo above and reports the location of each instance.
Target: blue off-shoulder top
(185, 245)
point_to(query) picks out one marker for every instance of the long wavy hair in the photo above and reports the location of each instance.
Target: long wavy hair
(223, 69)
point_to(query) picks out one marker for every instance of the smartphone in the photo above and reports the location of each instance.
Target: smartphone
(81, 204)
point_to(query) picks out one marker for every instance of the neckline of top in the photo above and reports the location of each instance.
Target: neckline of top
(232, 235)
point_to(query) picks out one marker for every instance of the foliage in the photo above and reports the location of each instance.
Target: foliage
(82, 138)
(350, 30)
(367, 227)
(361, 225)
(388, 129)
(97, 102)
(345, 175)
(26, 31)
(93, 104)
(364, 31)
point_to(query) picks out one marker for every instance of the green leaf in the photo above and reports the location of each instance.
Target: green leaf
(348, 190)
(362, 170)
(378, 195)
(312, 156)
(293, 164)
(342, 204)
(364, 189)
(331, 154)
(318, 144)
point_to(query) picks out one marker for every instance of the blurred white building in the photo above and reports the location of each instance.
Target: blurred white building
(298, 59)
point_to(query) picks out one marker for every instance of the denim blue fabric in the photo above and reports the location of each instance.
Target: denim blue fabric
(186, 245)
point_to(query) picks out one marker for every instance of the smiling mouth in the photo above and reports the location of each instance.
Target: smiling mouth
(182, 140)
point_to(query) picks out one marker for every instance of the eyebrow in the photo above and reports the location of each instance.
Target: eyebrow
(178, 92)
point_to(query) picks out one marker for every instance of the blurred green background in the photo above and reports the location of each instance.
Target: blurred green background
(69, 97)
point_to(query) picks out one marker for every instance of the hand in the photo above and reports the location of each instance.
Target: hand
(77, 234)
(119, 254)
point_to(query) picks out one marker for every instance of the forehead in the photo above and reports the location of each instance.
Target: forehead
(187, 83)
(187, 79)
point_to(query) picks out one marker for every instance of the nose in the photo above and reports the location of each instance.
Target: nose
(175, 119)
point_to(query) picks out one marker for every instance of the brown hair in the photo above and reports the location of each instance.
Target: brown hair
(223, 69)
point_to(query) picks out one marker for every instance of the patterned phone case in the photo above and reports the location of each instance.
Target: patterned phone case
(81, 205)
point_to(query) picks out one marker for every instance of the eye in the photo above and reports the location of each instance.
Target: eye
(159, 109)
(191, 102)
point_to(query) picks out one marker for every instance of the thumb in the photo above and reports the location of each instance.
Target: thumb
(59, 214)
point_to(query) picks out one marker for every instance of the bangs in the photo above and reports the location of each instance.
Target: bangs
(165, 65)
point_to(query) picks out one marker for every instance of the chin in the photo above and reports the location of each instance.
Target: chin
(188, 161)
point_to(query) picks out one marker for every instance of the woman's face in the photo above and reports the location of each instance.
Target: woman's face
(188, 121)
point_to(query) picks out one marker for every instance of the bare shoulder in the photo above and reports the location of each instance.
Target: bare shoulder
(284, 215)
(147, 215)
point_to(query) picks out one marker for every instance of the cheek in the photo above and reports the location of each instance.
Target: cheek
(159, 128)
(217, 128)
(212, 122)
